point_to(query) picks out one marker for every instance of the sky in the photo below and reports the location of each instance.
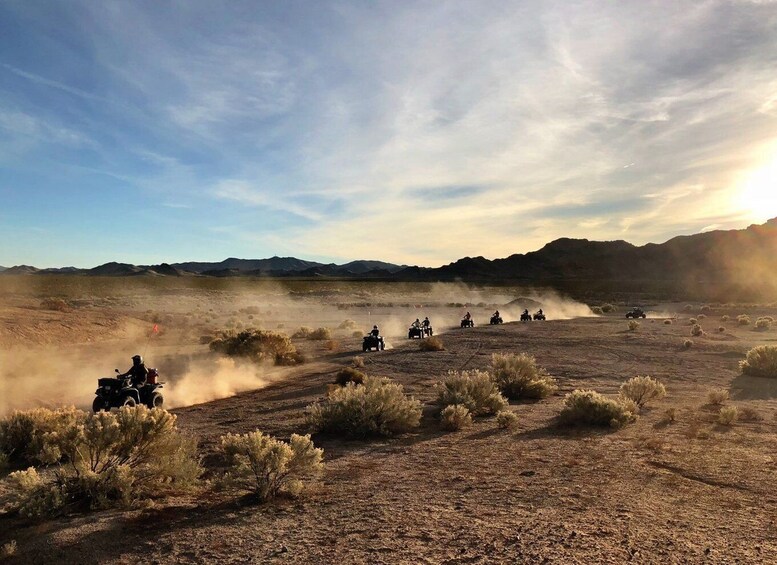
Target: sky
(415, 132)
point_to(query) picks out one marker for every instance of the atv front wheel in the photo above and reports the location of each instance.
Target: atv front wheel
(156, 401)
(98, 404)
(129, 401)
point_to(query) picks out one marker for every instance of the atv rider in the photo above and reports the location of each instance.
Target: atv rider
(426, 323)
(526, 312)
(416, 324)
(468, 316)
(539, 311)
(137, 373)
(496, 314)
(375, 331)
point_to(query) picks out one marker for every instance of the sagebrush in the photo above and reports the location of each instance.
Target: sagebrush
(728, 415)
(589, 408)
(349, 375)
(431, 344)
(633, 325)
(378, 407)
(475, 390)
(519, 376)
(266, 466)
(697, 331)
(455, 417)
(761, 361)
(257, 345)
(717, 396)
(106, 459)
(507, 420)
(643, 390)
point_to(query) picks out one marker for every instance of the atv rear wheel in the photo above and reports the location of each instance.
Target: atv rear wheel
(129, 401)
(156, 401)
(98, 404)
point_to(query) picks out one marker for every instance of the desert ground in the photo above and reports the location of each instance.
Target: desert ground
(661, 490)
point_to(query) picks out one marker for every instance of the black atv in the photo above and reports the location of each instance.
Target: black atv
(115, 392)
(496, 320)
(636, 313)
(465, 323)
(414, 332)
(372, 342)
(538, 316)
(427, 330)
(526, 317)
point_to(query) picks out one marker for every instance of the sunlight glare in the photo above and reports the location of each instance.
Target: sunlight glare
(758, 192)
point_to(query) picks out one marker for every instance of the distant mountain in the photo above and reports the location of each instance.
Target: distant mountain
(249, 265)
(2, 268)
(21, 270)
(114, 269)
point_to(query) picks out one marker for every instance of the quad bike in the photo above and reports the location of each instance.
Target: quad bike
(636, 313)
(495, 320)
(467, 323)
(415, 332)
(115, 392)
(427, 331)
(526, 317)
(371, 341)
(538, 316)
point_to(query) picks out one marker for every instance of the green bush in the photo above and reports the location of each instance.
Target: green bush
(455, 417)
(518, 376)
(257, 345)
(642, 390)
(379, 407)
(507, 420)
(589, 408)
(431, 344)
(761, 361)
(475, 390)
(349, 375)
(266, 466)
(105, 459)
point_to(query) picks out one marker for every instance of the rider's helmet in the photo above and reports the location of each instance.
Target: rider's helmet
(137, 360)
(374, 327)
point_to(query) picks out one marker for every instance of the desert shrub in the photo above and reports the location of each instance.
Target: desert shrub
(358, 361)
(701, 317)
(688, 343)
(597, 310)
(4, 463)
(696, 331)
(769, 319)
(743, 320)
(589, 408)
(302, 333)
(633, 325)
(378, 407)
(693, 321)
(728, 415)
(332, 345)
(643, 390)
(669, 416)
(507, 420)
(257, 345)
(106, 459)
(349, 375)
(763, 324)
(725, 318)
(357, 333)
(717, 396)
(761, 361)
(23, 434)
(749, 414)
(475, 390)
(320, 334)
(607, 308)
(455, 417)
(431, 344)
(347, 325)
(705, 308)
(721, 329)
(688, 307)
(518, 376)
(56, 304)
(8, 550)
(668, 322)
(266, 466)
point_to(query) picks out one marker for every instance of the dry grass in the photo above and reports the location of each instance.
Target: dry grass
(761, 361)
(728, 415)
(743, 320)
(749, 414)
(633, 325)
(642, 390)
(696, 331)
(358, 361)
(475, 390)
(56, 304)
(518, 376)
(589, 408)
(717, 396)
(688, 343)
(8, 550)
(507, 420)
(257, 345)
(763, 323)
(349, 375)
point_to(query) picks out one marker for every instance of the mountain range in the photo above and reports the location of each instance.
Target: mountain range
(729, 265)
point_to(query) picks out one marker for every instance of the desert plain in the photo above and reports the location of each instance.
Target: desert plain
(676, 486)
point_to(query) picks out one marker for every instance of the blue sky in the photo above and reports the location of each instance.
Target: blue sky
(414, 132)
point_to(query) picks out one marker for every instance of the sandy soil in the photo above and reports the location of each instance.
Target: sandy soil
(690, 491)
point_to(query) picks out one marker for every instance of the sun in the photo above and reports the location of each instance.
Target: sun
(757, 192)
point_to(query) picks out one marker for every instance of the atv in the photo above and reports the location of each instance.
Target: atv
(538, 316)
(526, 317)
(495, 320)
(414, 332)
(467, 323)
(115, 392)
(371, 341)
(427, 330)
(636, 313)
